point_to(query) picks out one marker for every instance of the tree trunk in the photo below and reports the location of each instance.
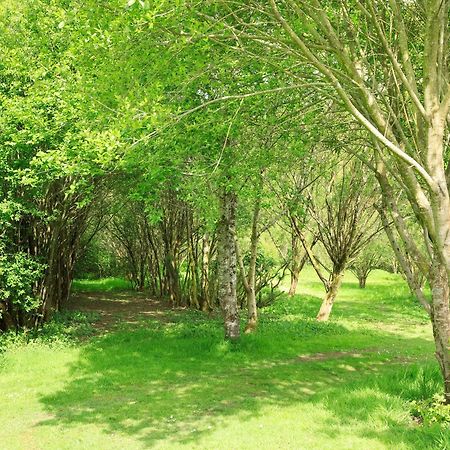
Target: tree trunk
(295, 275)
(193, 298)
(294, 282)
(327, 304)
(250, 285)
(295, 266)
(227, 274)
(206, 249)
(173, 279)
(440, 320)
(252, 312)
(362, 281)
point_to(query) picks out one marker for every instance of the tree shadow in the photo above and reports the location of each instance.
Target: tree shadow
(178, 381)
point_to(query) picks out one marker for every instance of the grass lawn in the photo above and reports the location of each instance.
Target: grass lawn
(174, 383)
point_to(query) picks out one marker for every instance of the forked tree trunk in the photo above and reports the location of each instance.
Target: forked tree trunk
(227, 274)
(295, 274)
(327, 304)
(54, 287)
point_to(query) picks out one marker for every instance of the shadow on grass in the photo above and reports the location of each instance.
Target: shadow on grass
(177, 381)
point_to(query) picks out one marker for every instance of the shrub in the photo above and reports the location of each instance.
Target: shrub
(432, 410)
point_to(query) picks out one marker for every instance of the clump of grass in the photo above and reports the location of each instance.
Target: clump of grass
(415, 382)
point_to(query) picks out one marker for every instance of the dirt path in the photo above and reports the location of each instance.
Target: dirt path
(118, 307)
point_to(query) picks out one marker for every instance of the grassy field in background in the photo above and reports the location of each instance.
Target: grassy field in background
(103, 285)
(296, 384)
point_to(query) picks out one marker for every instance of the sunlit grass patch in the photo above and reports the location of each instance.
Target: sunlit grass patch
(101, 285)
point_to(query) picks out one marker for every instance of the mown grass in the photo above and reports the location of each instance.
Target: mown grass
(176, 383)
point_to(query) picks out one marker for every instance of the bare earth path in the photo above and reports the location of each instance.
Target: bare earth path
(118, 307)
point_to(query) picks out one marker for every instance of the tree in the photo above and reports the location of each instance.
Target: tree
(53, 160)
(343, 209)
(394, 83)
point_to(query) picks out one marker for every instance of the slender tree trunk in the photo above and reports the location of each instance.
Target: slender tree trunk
(227, 273)
(295, 275)
(294, 282)
(206, 249)
(250, 285)
(295, 265)
(327, 304)
(193, 298)
(194, 291)
(173, 279)
(156, 266)
(298, 260)
(252, 309)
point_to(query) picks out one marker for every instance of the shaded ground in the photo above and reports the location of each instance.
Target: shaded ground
(115, 308)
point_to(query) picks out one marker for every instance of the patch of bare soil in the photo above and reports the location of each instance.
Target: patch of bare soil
(118, 307)
(331, 355)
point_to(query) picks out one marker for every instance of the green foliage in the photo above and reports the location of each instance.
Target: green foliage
(65, 329)
(53, 151)
(431, 411)
(67, 326)
(18, 273)
(98, 261)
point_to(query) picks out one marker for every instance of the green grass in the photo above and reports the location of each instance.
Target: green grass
(175, 384)
(103, 285)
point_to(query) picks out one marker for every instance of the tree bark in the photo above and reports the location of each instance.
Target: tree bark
(440, 320)
(227, 273)
(327, 304)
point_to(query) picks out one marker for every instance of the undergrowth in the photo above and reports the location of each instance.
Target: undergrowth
(65, 328)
